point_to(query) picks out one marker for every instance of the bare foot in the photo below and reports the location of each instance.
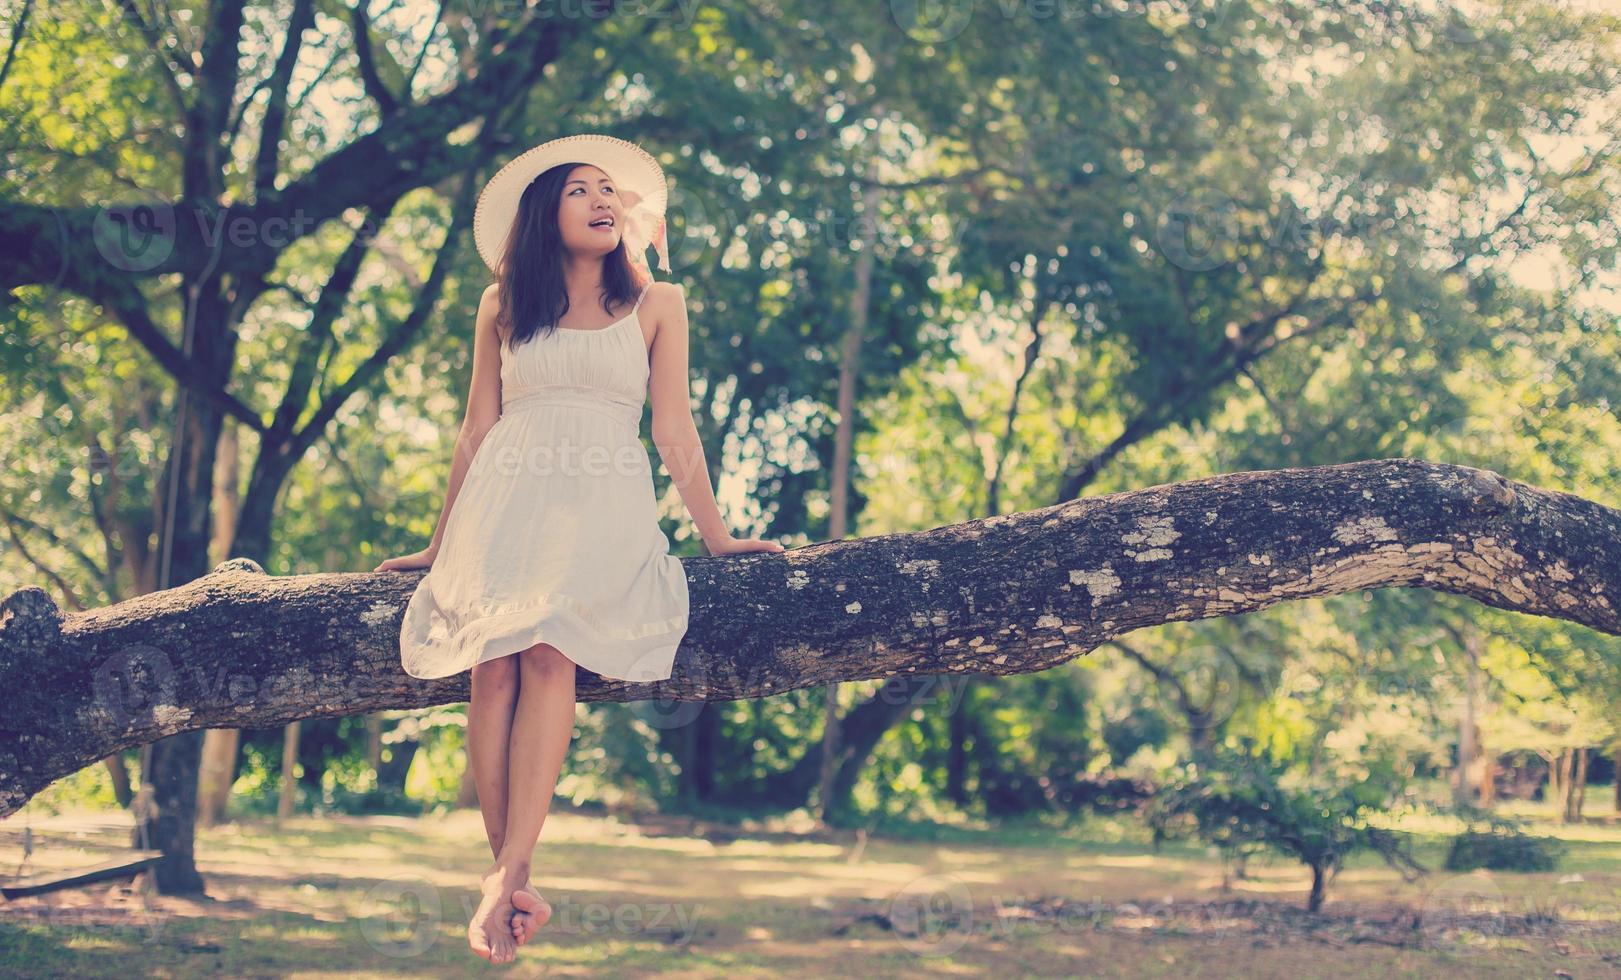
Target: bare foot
(530, 912)
(485, 933)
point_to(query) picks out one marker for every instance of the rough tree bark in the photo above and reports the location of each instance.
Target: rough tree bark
(1015, 593)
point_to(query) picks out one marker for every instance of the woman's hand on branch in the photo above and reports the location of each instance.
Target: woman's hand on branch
(405, 563)
(738, 546)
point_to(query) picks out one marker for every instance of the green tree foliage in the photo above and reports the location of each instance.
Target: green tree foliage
(1142, 244)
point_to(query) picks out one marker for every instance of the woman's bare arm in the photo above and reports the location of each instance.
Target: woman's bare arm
(483, 405)
(675, 433)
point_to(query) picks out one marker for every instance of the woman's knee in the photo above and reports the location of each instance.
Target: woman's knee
(496, 675)
(543, 658)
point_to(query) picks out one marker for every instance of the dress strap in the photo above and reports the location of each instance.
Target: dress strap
(639, 298)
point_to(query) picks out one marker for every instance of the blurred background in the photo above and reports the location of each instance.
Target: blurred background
(944, 260)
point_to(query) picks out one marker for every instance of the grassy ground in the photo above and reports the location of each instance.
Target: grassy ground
(379, 896)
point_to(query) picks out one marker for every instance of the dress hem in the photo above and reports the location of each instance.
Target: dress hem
(496, 635)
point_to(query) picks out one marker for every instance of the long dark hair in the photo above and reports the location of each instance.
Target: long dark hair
(533, 297)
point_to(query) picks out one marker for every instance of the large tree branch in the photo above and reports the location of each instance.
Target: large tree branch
(422, 52)
(18, 31)
(1221, 367)
(1004, 443)
(408, 150)
(124, 299)
(360, 24)
(17, 522)
(66, 590)
(267, 162)
(284, 445)
(406, 332)
(314, 338)
(1008, 594)
(208, 118)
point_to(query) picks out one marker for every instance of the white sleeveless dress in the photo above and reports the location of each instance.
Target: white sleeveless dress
(554, 535)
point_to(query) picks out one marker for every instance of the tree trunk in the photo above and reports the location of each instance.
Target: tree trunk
(216, 774)
(1581, 782)
(839, 478)
(1488, 779)
(961, 729)
(678, 741)
(315, 737)
(693, 744)
(1575, 785)
(218, 771)
(288, 798)
(1567, 795)
(119, 773)
(1017, 593)
(830, 753)
(890, 703)
(184, 495)
(705, 743)
(1319, 888)
(1554, 794)
(374, 742)
(166, 811)
(1468, 726)
(393, 770)
(227, 495)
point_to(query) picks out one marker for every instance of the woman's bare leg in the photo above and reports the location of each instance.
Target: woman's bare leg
(489, 725)
(542, 727)
(489, 731)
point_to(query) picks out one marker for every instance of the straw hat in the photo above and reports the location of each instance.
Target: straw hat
(638, 179)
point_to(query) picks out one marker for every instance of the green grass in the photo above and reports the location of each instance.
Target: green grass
(385, 895)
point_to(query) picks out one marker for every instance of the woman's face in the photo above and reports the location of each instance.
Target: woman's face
(590, 215)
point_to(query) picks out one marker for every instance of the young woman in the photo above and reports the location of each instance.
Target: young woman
(548, 553)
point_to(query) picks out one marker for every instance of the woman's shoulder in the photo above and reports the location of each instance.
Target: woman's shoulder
(489, 308)
(661, 292)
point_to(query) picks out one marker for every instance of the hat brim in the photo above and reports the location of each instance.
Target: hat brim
(636, 176)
